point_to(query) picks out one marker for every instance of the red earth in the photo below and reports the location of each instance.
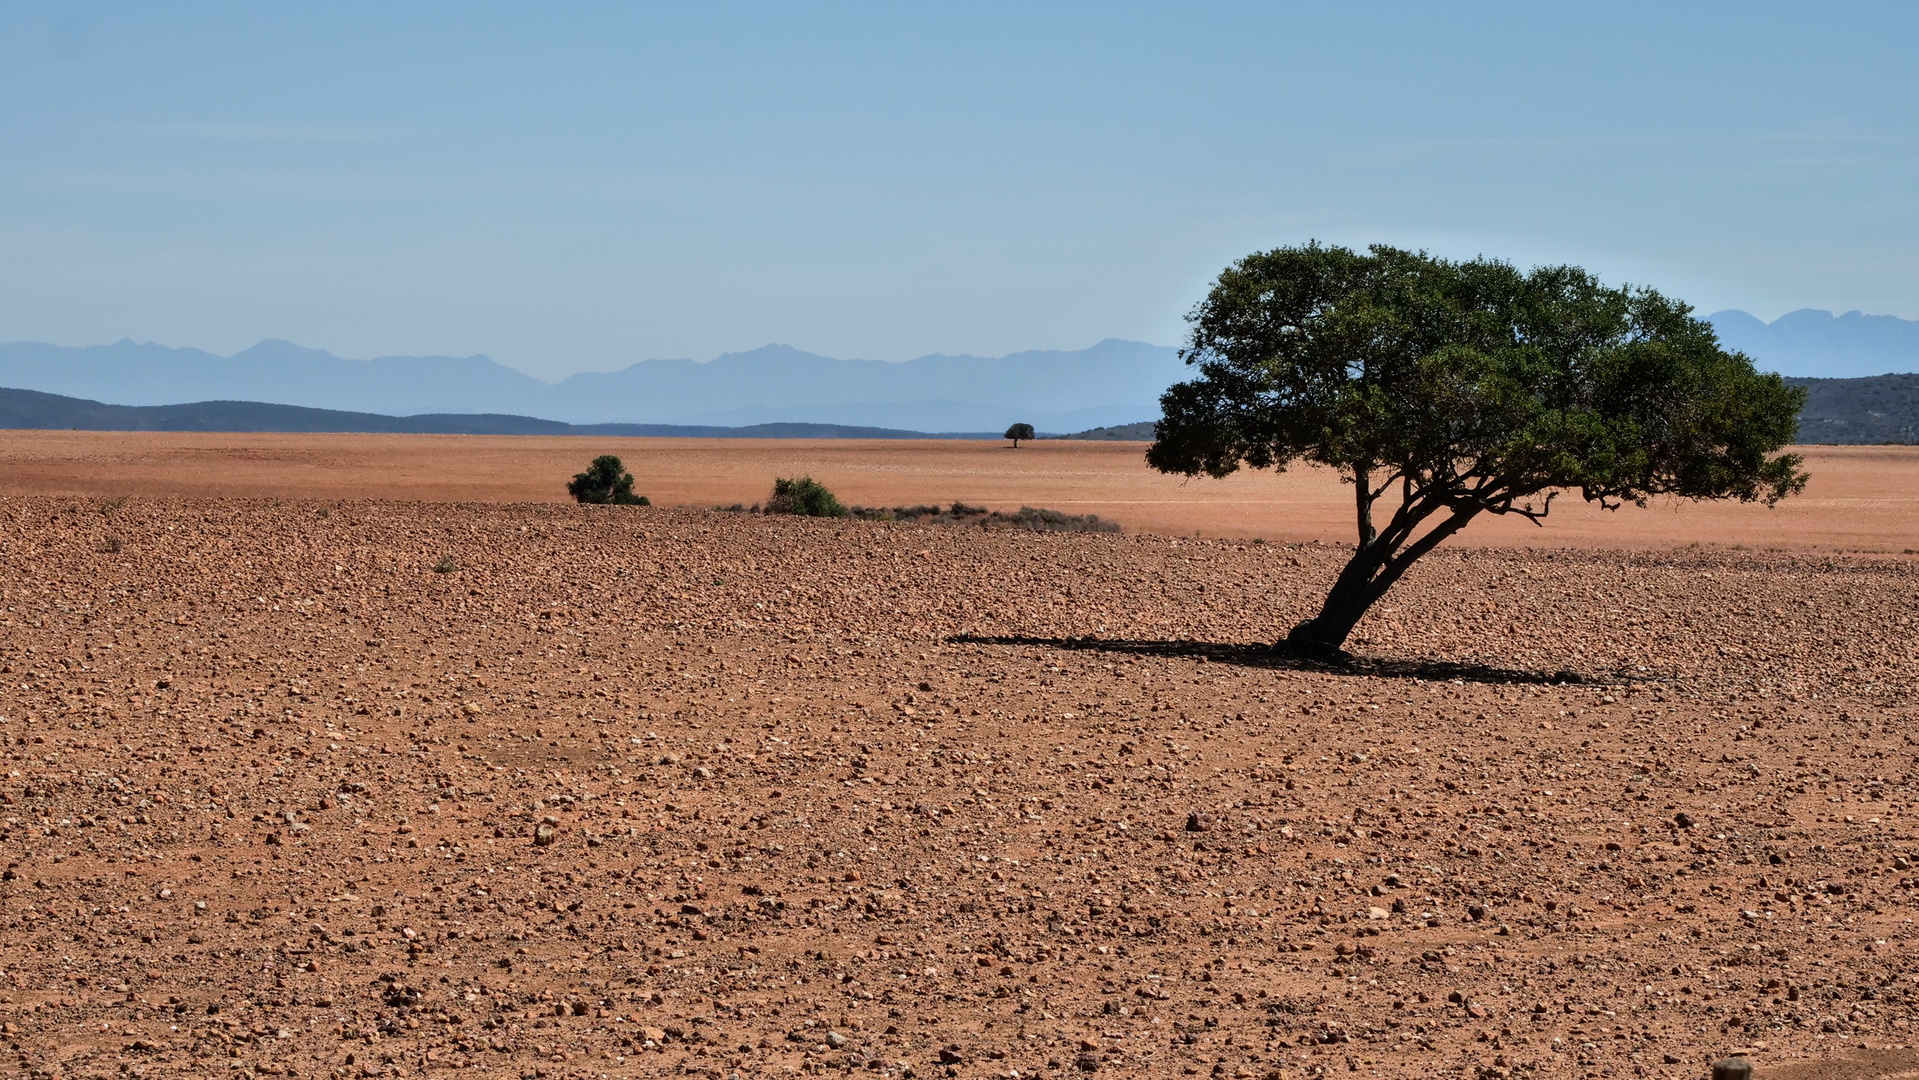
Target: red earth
(284, 737)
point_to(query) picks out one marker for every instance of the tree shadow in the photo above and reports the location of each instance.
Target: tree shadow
(1279, 658)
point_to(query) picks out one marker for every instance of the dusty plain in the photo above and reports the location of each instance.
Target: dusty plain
(1862, 498)
(888, 800)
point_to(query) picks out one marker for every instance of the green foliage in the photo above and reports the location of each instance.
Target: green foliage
(606, 481)
(1018, 432)
(805, 496)
(1465, 388)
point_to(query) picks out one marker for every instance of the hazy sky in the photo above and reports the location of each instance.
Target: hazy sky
(573, 186)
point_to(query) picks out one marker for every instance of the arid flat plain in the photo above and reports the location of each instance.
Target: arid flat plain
(313, 771)
(1860, 499)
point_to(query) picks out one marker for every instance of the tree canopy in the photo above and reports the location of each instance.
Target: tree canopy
(1454, 389)
(1018, 432)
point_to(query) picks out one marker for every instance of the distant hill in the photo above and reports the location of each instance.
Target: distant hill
(1880, 409)
(32, 410)
(1876, 409)
(1810, 343)
(1111, 382)
(1140, 432)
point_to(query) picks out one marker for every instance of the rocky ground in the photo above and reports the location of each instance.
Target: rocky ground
(382, 789)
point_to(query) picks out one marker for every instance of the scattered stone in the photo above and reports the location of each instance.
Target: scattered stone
(995, 880)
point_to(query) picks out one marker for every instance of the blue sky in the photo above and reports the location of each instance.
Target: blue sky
(576, 186)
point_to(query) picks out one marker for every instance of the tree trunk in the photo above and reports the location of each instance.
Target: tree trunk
(1323, 636)
(1375, 566)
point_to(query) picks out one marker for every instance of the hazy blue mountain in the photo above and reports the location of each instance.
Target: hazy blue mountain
(32, 409)
(951, 393)
(1818, 344)
(278, 372)
(1112, 382)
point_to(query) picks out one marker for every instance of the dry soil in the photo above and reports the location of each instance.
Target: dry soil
(1862, 498)
(831, 798)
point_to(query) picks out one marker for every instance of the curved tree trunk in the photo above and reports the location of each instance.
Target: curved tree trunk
(1324, 635)
(1379, 561)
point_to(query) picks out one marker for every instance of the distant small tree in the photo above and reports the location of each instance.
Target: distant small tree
(605, 482)
(806, 497)
(1018, 432)
(1446, 390)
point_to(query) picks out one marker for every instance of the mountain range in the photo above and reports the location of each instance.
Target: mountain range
(1814, 344)
(28, 410)
(1110, 384)
(1113, 382)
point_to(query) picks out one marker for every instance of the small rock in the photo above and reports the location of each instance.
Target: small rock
(835, 1040)
(543, 835)
(1683, 820)
(1199, 822)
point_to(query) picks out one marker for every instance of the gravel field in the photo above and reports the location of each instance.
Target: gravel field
(332, 789)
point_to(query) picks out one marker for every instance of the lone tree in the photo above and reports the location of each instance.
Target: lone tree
(1018, 432)
(1445, 390)
(605, 481)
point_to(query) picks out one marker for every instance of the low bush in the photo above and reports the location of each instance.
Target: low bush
(959, 513)
(806, 497)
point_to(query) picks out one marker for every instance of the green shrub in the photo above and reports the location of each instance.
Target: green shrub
(805, 496)
(606, 481)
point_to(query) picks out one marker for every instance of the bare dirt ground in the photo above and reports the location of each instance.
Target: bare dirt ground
(1862, 498)
(858, 798)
